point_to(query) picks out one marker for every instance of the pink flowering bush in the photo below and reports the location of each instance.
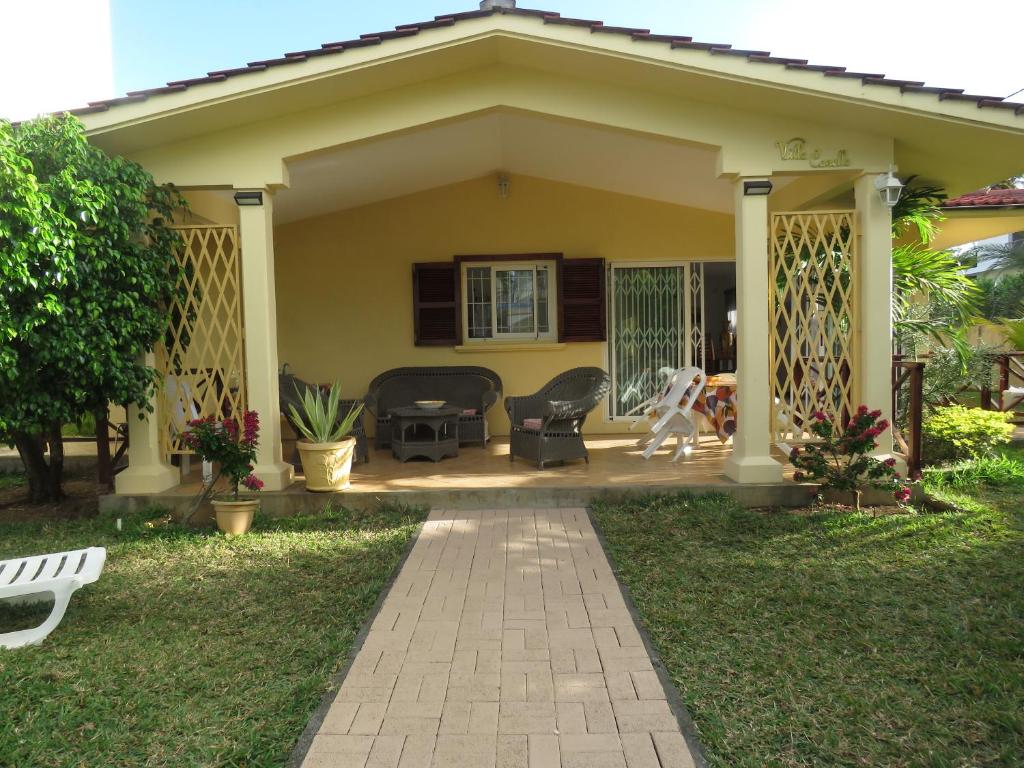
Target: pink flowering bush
(230, 447)
(842, 461)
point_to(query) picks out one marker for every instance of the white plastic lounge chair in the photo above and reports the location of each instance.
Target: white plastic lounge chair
(675, 417)
(34, 579)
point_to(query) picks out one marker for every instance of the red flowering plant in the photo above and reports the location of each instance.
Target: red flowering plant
(843, 462)
(229, 447)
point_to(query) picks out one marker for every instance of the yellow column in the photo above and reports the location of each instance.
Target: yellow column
(751, 461)
(147, 471)
(874, 313)
(256, 229)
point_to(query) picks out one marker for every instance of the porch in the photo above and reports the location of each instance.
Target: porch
(484, 478)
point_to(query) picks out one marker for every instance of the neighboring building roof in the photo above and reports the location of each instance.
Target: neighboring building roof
(988, 198)
(549, 17)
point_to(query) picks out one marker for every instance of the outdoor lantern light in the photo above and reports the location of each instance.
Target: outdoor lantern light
(249, 198)
(504, 185)
(889, 188)
(757, 187)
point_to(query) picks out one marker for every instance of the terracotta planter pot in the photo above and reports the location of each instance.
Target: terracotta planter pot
(235, 517)
(327, 466)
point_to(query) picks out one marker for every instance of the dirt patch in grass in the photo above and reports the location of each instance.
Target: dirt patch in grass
(82, 500)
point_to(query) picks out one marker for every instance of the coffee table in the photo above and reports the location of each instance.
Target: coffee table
(420, 433)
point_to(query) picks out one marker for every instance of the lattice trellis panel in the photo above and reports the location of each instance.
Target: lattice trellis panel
(813, 330)
(203, 353)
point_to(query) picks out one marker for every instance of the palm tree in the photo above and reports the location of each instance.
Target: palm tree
(920, 269)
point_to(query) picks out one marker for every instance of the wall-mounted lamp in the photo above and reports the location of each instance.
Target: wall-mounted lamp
(504, 185)
(249, 198)
(757, 187)
(889, 188)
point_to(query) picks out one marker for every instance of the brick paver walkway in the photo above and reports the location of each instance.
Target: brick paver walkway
(504, 641)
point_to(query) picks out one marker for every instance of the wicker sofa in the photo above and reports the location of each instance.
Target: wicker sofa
(470, 388)
(547, 426)
(290, 386)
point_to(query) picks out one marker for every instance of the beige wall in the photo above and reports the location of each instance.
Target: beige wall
(344, 281)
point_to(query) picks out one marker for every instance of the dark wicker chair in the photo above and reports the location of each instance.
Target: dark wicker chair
(467, 387)
(561, 405)
(288, 396)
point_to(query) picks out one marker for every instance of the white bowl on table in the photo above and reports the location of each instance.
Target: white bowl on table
(430, 405)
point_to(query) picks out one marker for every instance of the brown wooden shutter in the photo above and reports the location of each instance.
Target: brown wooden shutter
(581, 305)
(435, 304)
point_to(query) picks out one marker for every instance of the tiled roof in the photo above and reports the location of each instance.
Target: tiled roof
(549, 17)
(988, 198)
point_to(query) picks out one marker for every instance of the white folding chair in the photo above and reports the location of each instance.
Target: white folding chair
(674, 413)
(179, 394)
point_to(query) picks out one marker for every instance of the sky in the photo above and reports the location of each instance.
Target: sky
(101, 48)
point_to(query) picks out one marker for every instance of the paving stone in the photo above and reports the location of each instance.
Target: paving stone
(672, 750)
(638, 749)
(368, 718)
(512, 751)
(544, 752)
(339, 717)
(386, 751)
(580, 687)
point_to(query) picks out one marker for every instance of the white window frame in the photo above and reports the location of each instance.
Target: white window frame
(549, 266)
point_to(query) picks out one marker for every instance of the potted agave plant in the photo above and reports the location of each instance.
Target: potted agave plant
(326, 452)
(233, 451)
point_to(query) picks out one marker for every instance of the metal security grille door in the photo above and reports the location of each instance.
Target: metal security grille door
(656, 325)
(202, 359)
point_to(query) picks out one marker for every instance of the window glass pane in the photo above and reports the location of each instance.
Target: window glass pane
(542, 300)
(478, 302)
(514, 300)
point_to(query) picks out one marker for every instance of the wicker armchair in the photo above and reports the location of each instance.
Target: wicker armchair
(288, 396)
(470, 388)
(557, 412)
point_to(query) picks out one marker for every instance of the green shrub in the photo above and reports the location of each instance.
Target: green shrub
(955, 432)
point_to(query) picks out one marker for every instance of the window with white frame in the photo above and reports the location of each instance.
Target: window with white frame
(509, 301)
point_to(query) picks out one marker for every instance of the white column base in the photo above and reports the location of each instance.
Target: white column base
(275, 477)
(146, 479)
(900, 466)
(753, 469)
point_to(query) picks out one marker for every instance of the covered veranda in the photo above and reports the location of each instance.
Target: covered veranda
(607, 152)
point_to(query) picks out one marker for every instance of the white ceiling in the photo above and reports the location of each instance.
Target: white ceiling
(503, 141)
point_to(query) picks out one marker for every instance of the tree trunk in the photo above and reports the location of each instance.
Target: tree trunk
(44, 479)
(104, 465)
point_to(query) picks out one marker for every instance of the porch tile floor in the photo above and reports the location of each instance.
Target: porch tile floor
(614, 461)
(504, 642)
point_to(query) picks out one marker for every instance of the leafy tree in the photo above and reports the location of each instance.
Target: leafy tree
(1002, 297)
(88, 269)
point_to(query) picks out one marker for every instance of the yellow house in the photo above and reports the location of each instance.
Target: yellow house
(613, 165)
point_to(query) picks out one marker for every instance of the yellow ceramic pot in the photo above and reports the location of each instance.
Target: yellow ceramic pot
(327, 466)
(235, 517)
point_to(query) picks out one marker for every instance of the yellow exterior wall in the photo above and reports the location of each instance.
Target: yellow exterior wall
(344, 281)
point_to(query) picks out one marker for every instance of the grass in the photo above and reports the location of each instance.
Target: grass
(830, 638)
(11, 480)
(192, 649)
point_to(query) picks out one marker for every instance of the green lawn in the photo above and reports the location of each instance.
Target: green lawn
(837, 639)
(192, 649)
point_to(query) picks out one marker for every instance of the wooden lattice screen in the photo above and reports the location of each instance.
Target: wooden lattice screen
(202, 358)
(814, 334)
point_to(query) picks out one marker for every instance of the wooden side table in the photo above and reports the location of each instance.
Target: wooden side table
(421, 433)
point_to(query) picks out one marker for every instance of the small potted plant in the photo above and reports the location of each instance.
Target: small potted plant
(842, 463)
(326, 450)
(232, 450)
